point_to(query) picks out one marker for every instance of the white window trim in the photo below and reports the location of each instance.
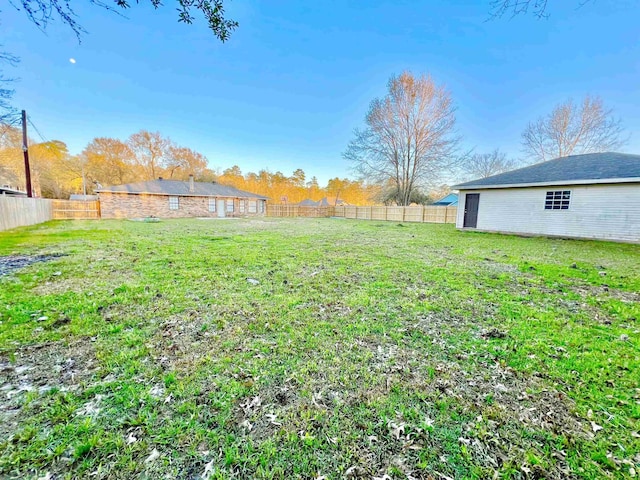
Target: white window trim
(173, 200)
(557, 200)
(212, 205)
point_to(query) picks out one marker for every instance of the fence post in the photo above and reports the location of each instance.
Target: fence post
(404, 213)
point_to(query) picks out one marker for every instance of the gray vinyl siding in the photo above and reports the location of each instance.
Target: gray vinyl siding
(608, 212)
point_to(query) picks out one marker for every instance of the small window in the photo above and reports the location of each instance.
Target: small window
(253, 206)
(242, 206)
(262, 204)
(173, 203)
(557, 200)
(212, 204)
(230, 207)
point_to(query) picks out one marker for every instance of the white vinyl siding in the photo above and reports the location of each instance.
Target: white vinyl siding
(596, 211)
(212, 205)
(174, 203)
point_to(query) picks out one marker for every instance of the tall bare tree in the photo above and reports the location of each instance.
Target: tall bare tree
(409, 137)
(183, 161)
(572, 128)
(151, 151)
(483, 165)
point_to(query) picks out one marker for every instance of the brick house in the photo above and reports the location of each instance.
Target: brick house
(178, 199)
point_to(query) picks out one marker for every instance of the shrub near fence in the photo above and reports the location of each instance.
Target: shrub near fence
(427, 214)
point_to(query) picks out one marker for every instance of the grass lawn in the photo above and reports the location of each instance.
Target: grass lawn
(316, 349)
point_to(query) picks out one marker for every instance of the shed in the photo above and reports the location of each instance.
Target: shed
(594, 195)
(178, 199)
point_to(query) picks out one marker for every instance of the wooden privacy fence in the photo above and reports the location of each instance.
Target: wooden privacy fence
(22, 211)
(298, 211)
(75, 209)
(424, 214)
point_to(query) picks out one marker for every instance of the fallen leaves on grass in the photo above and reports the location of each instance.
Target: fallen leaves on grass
(153, 456)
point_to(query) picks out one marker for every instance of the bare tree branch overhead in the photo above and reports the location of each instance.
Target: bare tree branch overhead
(570, 129)
(6, 92)
(42, 12)
(409, 137)
(513, 8)
(500, 8)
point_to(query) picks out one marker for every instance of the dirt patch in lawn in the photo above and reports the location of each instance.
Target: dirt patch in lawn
(606, 292)
(10, 263)
(41, 368)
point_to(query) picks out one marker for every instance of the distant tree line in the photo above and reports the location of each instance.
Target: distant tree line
(149, 155)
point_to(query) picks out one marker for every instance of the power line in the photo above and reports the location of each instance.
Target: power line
(44, 140)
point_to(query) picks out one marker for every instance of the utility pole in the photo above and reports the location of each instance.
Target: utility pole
(25, 149)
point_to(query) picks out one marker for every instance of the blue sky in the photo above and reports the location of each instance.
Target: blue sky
(289, 87)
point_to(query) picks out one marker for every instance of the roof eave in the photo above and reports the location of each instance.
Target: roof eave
(597, 181)
(182, 194)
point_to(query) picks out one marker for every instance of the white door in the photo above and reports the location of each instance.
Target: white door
(221, 207)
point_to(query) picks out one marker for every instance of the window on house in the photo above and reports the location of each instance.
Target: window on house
(212, 204)
(262, 204)
(253, 206)
(230, 207)
(242, 206)
(173, 203)
(557, 200)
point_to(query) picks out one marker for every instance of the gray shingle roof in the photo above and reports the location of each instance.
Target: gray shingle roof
(608, 167)
(179, 188)
(308, 203)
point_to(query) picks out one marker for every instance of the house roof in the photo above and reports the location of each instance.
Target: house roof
(11, 191)
(330, 202)
(451, 200)
(323, 202)
(179, 188)
(75, 196)
(308, 203)
(590, 168)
